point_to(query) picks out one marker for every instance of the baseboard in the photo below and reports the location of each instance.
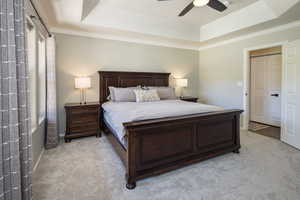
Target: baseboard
(243, 128)
(38, 161)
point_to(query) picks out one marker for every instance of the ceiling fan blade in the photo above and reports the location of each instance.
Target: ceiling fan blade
(186, 9)
(215, 4)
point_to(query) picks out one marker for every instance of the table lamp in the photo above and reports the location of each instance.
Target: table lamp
(181, 82)
(82, 83)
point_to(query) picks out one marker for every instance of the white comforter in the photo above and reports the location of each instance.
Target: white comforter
(118, 113)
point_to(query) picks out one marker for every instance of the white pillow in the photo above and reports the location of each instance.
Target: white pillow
(111, 96)
(122, 94)
(165, 92)
(146, 95)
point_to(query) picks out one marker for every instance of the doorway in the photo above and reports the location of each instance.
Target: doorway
(265, 91)
(290, 94)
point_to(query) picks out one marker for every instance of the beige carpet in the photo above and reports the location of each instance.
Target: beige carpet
(88, 169)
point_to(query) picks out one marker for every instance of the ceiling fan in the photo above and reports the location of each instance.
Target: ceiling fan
(215, 4)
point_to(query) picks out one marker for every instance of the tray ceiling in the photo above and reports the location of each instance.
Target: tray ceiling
(151, 18)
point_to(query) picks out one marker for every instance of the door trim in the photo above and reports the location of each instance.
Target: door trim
(246, 79)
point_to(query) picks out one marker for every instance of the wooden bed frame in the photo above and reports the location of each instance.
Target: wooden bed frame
(160, 145)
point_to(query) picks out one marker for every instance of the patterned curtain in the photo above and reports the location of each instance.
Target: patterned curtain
(15, 137)
(51, 132)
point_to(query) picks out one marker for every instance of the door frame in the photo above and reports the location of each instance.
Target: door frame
(246, 79)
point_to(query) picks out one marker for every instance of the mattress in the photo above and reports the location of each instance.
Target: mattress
(117, 113)
(114, 129)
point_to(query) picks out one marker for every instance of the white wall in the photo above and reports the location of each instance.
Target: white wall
(78, 56)
(221, 68)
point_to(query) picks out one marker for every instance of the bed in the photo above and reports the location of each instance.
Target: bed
(156, 142)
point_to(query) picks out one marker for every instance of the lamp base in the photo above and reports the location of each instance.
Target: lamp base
(82, 96)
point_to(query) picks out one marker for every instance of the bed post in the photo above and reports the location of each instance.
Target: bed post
(238, 142)
(131, 161)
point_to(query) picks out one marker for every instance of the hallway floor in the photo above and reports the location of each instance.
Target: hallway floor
(264, 129)
(271, 131)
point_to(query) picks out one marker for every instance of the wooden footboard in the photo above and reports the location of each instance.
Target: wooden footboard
(160, 145)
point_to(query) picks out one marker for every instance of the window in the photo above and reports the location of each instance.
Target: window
(31, 52)
(36, 48)
(42, 78)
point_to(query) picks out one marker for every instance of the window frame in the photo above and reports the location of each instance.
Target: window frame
(41, 87)
(38, 91)
(31, 31)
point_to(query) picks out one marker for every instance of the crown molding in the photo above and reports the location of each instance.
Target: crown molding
(170, 44)
(153, 42)
(252, 35)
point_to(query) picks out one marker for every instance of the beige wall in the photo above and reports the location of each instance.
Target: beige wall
(213, 73)
(78, 56)
(221, 68)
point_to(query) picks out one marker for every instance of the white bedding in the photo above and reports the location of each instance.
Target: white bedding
(121, 112)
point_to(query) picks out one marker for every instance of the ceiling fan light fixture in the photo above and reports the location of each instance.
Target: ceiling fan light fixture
(199, 3)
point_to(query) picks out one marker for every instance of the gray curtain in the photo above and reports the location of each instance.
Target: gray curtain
(51, 130)
(15, 137)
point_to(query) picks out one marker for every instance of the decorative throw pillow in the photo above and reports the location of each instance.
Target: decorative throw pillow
(146, 95)
(165, 93)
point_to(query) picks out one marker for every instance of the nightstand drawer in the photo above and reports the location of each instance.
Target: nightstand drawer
(87, 128)
(93, 124)
(80, 111)
(83, 118)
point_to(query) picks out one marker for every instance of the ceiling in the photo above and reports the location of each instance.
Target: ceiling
(159, 21)
(157, 18)
(165, 11)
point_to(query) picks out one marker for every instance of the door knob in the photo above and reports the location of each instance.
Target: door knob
(275, 95)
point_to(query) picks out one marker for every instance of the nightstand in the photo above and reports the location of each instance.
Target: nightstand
(190, 99)
(82, 120)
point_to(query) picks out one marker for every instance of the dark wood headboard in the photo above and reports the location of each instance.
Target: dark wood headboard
(129, 79)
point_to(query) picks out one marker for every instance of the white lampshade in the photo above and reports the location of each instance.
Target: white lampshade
(181, 82)
(199, 3)
(82, 82)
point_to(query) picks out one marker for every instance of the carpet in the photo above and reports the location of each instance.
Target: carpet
(89, 169)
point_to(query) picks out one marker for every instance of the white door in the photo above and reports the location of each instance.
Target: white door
(290, 132)
(258, 91)
(265, 102)
(274, 86)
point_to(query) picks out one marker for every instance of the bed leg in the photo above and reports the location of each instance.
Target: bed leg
(236, 151)
(131, 184)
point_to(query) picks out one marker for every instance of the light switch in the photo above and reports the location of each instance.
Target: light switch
(240, 83)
